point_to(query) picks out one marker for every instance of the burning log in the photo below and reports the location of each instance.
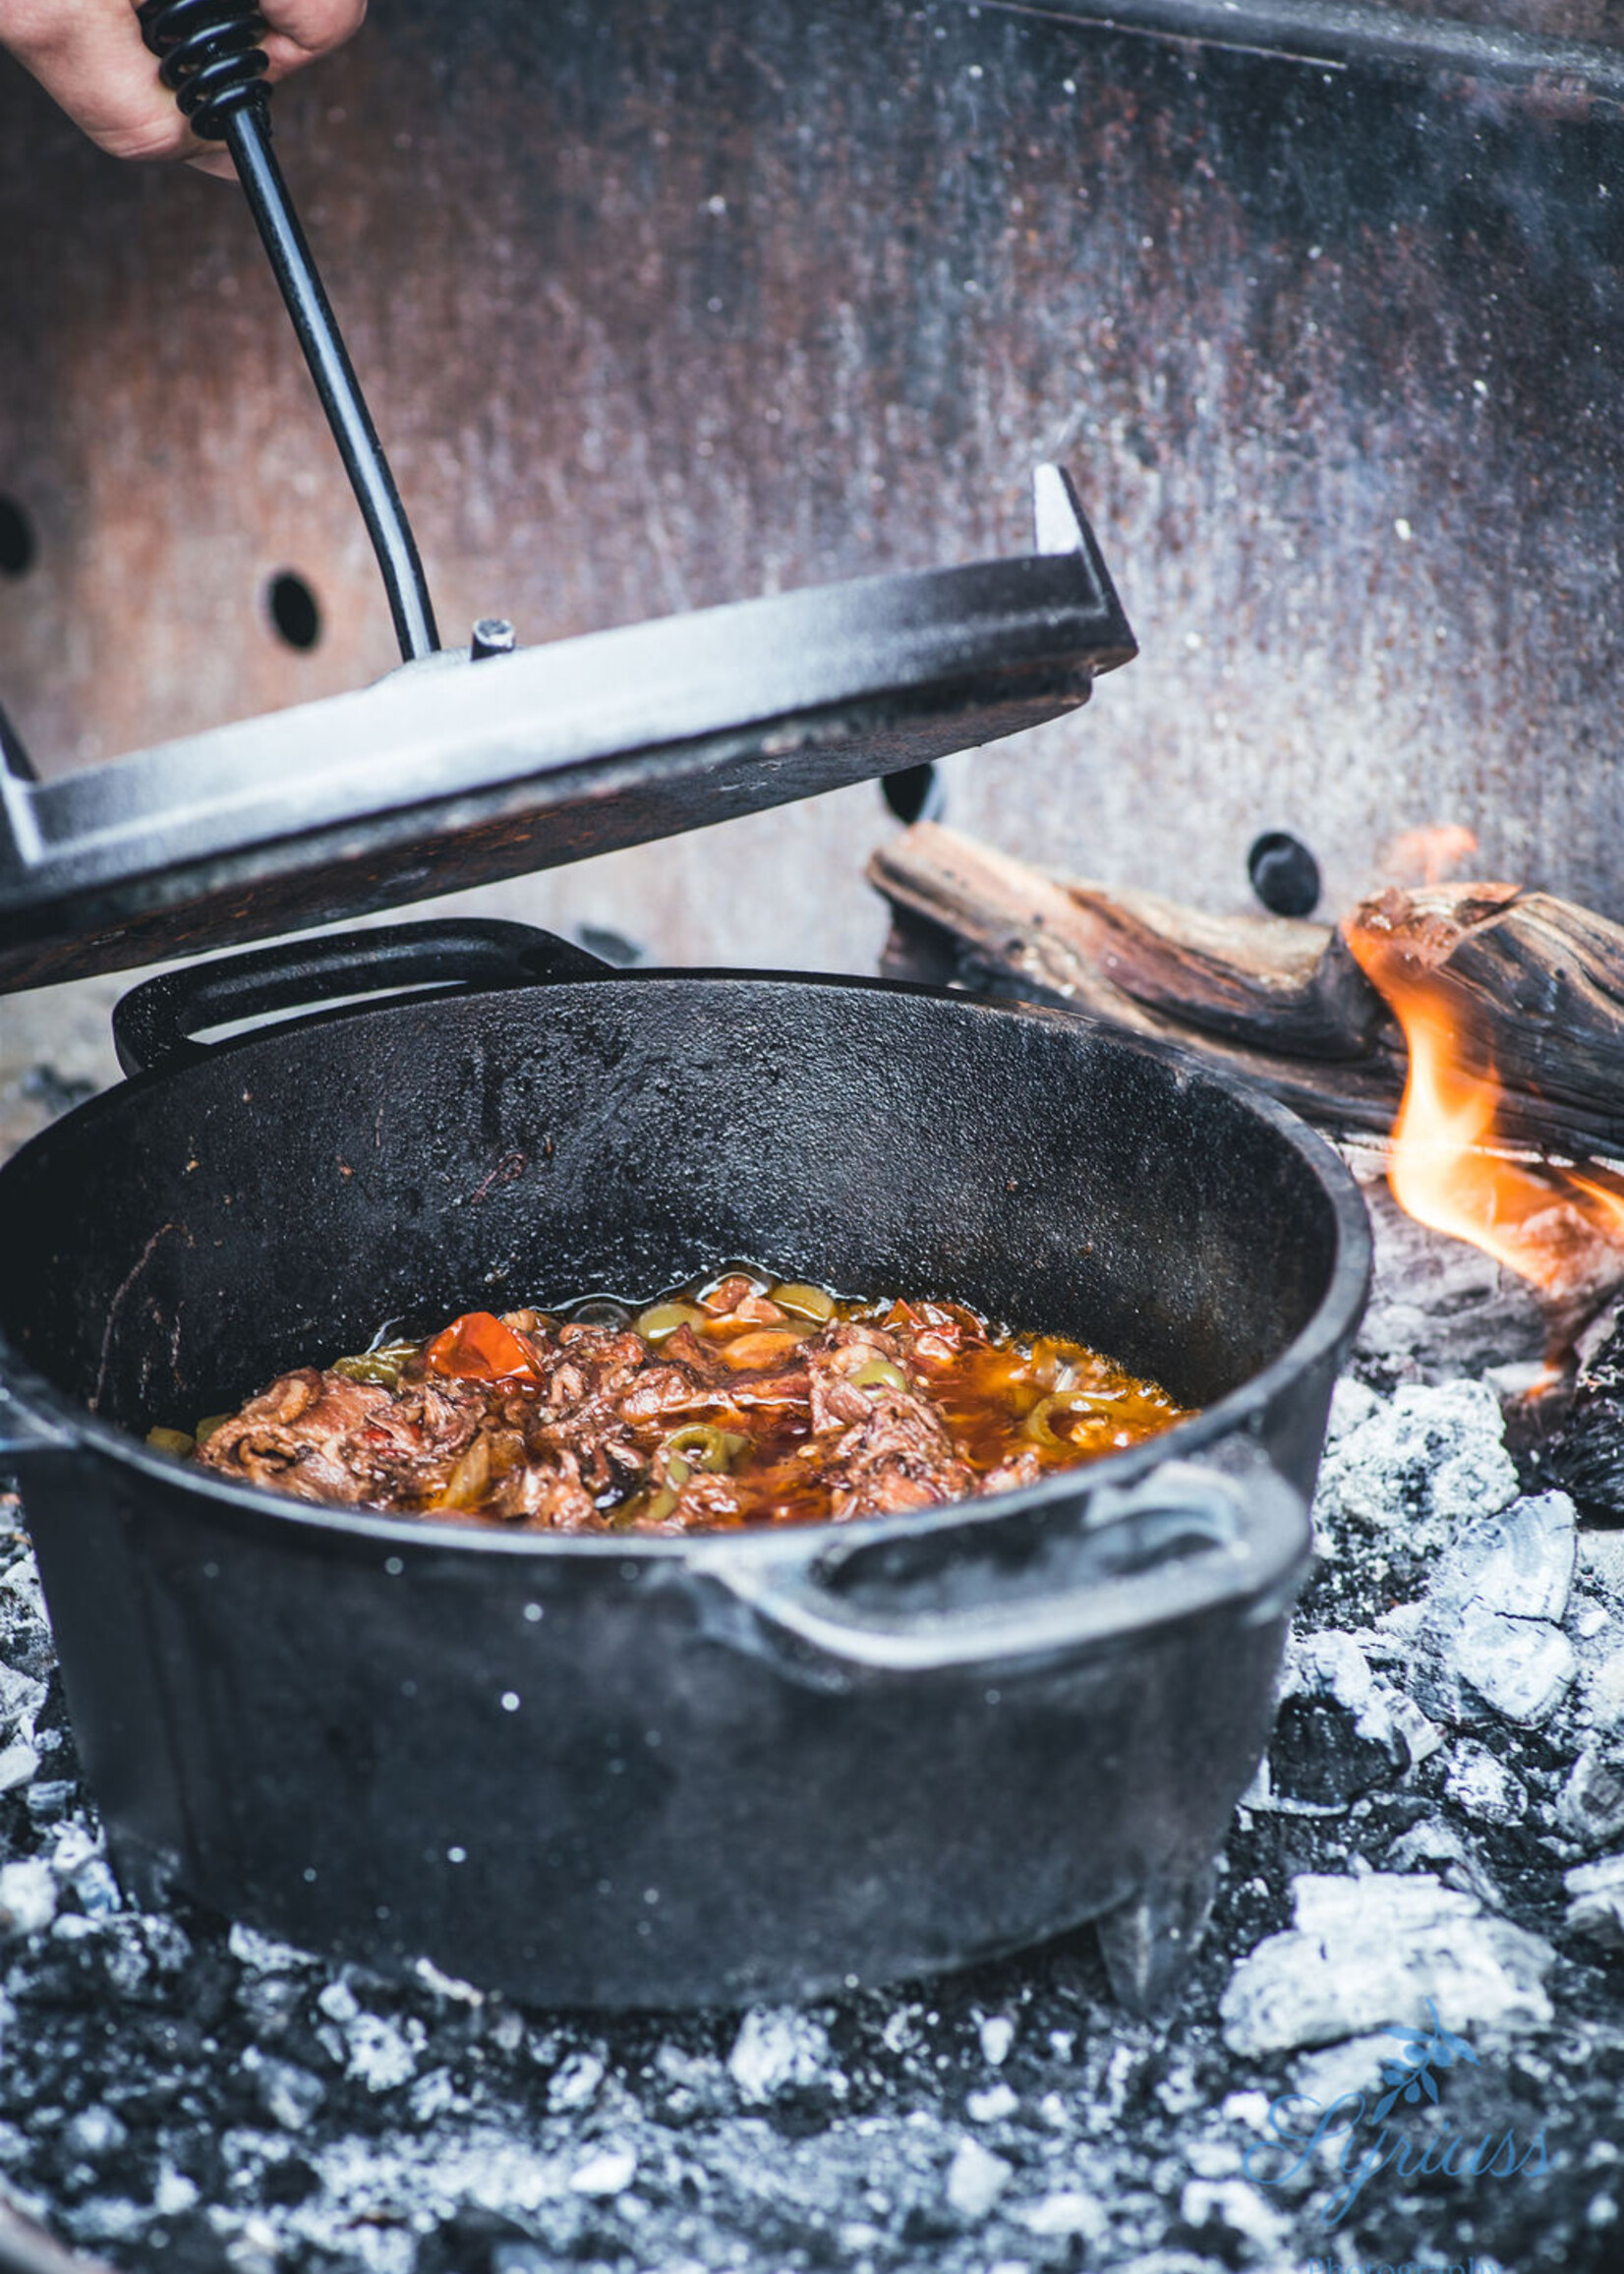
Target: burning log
(1291, 1005)
(1481, 1027)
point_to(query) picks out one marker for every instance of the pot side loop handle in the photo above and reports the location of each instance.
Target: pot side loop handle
(155, 1024)
(1189, 1540)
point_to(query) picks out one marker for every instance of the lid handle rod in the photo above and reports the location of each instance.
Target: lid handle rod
(211, 63)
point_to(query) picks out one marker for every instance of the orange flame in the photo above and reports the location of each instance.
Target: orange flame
(1542, 1222)
(1604, 1199)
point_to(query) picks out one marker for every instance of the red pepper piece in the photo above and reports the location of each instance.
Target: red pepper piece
(477, 1347)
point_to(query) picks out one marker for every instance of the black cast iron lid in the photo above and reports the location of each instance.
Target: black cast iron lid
(451, 773)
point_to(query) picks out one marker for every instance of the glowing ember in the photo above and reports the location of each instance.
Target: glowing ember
(1543, 1222)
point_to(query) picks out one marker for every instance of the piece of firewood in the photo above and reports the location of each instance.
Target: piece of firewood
(1533, 984)
(1283, 1003)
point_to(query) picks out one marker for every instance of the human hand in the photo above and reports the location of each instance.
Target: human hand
(90, 56)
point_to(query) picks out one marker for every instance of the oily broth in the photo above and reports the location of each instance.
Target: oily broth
(1016, 1405)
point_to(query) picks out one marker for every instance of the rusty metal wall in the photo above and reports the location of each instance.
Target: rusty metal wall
(665, 305)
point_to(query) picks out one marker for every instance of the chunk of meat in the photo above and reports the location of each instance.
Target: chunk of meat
(663, 1389)
(831, 1358)
(737, 1297)
(899, 1456)
(301, 1435)
(1009, 1476)
(761, 1347)
(588, 1363)
(545, 1495)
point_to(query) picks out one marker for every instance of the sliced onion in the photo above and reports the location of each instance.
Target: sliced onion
(1038, 1424)
(470, 1479)
(662, 1321)
(880, 1373)
(806, 1301)
(700, 1445)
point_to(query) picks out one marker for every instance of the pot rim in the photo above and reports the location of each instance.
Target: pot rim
(69, 1427)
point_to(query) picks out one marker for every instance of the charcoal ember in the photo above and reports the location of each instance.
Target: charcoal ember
(1440, 1309)
(19, 1765)
(28, 1897)
(1596, 1902)
(1489, 1642)
(288, 2095)
(1456, 1860)
(777, 2050)
(1591, 1807)
(575, 2083)
(1586, 1454)
(1341, 1732)
(975, 2179)
(1479, 1662)
(1234, 2217)
(20, 1698)
(1417, 1465)
(1481, 1785)
(1367, 1953)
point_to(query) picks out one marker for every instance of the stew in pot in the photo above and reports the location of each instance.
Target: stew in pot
(740, 1399)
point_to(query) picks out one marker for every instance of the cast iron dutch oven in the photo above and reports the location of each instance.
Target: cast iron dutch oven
(654, 1770)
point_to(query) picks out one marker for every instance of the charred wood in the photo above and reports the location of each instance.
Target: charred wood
(1587, 1456)
(1280, 1002)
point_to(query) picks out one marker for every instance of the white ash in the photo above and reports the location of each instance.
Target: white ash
(777, 2050)
(285, 2116)
(1489, 1638)
(1328, 2073)
(28, 1897)
(1479, 1783)
(1365, 1951)
(1417, 1465)
(976, 2178)
(1068, 2212)
(997, 2037)
(1596, 1902)
(607, 2173)
(1591, 1806)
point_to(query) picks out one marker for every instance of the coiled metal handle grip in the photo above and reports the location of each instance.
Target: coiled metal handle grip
(210, 60)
